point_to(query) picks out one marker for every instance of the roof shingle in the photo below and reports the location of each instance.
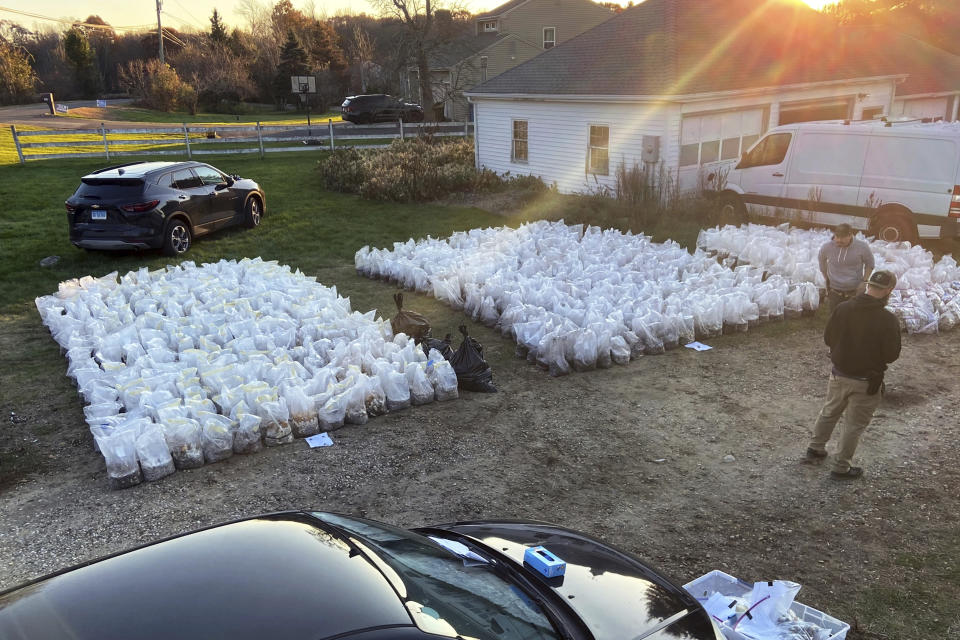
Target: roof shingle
(680, 47)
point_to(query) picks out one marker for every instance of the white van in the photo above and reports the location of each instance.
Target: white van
(894, 180)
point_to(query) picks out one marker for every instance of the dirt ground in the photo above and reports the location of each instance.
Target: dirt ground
(633, 454)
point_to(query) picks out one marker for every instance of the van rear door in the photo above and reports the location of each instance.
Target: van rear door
(823, 183)
(916, 172)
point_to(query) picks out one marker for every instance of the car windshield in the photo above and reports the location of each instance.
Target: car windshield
(447, 587)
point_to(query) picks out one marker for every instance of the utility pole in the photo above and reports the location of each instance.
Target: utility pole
(159, 31)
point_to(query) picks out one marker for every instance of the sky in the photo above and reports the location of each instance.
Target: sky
(179, 14)
(188, 14)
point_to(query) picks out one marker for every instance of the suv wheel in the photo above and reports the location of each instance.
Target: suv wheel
(253, 212)
(177, 239)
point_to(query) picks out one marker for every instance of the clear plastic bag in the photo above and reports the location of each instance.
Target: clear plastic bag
(585, 350)
(356, 409)
(154, 454)
(397, 390)
(444, 380)
(247, 438)
(333, 412)
(119, 450)
(216, 437)
(275, 423)
(303, 412)
(421, 391)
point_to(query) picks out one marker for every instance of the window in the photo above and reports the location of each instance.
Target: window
(598, 156)
(549, 37)
(519, 150)
(718, 136)
(872, 113)
(185, 179)
(209, 175)
(483, 68)
(771, 151)
(489, 26)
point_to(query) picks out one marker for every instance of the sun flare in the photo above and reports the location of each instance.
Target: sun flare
(819, 4)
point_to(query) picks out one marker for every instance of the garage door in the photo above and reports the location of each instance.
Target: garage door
(718, 136)
(925, 108)
(835, 110)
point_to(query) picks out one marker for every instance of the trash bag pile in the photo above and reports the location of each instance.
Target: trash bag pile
(579, 298)
(927, 296)
(188, 365)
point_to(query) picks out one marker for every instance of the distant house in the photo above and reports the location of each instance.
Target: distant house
(687, 85)
(501, 39)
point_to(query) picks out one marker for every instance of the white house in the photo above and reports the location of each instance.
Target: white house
(685, 83)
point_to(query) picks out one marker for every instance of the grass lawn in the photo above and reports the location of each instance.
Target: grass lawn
(146, 116)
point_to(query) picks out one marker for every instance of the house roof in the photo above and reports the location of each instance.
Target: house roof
(507, 6)
(931, 70)
(682, 47)
(461, 48)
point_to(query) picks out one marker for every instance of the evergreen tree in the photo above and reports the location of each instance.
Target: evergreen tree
(218, 30)
(81, 56)
(293, 62)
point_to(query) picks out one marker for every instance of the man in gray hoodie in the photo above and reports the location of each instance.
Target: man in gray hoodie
(845, 263)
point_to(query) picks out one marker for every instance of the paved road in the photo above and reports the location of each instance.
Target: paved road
(38, 114)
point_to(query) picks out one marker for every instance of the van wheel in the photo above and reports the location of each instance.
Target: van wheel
(727, 209)
(894, 227)
(177, 238)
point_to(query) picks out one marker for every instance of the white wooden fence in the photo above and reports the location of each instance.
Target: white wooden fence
(200, 139)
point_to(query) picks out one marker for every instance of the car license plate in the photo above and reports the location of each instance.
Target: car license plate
(98, 215)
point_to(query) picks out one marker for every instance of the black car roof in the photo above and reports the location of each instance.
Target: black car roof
(279, 576)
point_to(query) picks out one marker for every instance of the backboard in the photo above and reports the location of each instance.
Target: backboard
(303, 84)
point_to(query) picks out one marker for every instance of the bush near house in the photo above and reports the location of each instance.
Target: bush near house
(413, 170)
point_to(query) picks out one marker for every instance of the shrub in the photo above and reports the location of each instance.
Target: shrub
(413, 170)
(156, 85)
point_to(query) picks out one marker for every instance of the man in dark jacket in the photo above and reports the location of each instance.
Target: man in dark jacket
(863, 338)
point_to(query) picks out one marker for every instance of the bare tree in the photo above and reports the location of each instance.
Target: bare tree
(363, 47)
(417, 17)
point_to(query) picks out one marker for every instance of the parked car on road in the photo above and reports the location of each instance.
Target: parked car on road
(379, 107)
(319, 575)
(159, 205)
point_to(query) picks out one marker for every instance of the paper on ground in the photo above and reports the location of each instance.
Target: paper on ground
(319, 440)
(698, 346)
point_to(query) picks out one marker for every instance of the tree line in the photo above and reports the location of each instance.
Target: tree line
(225, 68)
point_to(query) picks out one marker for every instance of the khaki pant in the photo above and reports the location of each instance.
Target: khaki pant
(848, 398)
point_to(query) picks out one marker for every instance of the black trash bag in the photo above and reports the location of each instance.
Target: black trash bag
(411, 323)
(473, 372)
(443, 346)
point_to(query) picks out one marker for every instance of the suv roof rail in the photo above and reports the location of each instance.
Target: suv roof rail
(117, 166)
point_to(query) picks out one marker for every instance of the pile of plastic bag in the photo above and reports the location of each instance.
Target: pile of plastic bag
(189, 365)
(927, 296)
(578, 298)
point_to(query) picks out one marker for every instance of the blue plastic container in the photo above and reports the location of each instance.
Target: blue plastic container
(547, 564)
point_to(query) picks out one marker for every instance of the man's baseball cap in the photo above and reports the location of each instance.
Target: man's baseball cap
(882, 279)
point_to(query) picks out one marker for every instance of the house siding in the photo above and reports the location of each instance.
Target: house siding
(557, 139)
(501, 56)
(570, 17)
(558, 131)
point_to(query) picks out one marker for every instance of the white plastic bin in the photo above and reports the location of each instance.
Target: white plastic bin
(717, 581)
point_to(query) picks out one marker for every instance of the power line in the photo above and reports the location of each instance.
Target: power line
(28, 14)
(172, 38)
(182, 22)
(199, 23)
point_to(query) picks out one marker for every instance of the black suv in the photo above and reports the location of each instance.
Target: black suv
(159, 205)
(379, 107)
